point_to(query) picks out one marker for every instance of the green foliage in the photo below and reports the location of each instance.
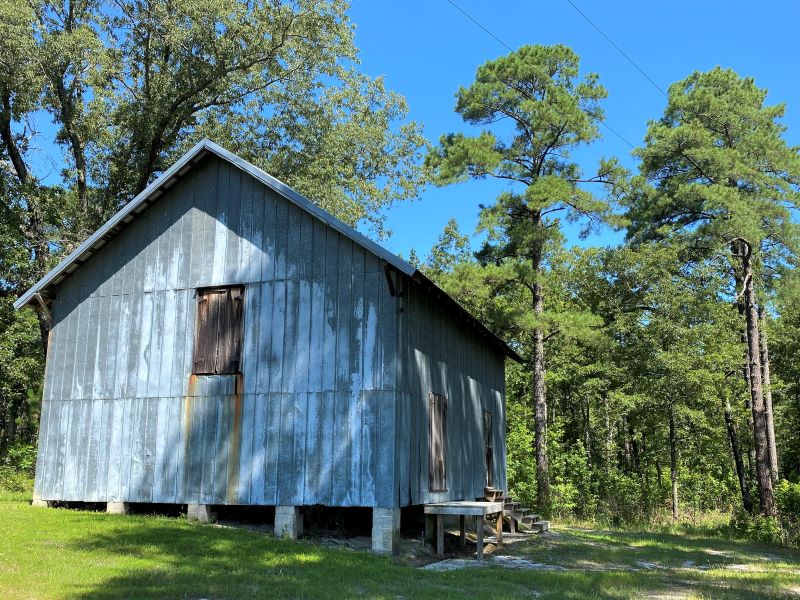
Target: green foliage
(785, 348)
(538, 110)
(574, 492)
(548, 111)
(521, 463)
(720, 166)
(14, 480)
(22, 457)
(787, 495)
(758, 528)
(17, 468)
(451, 249)
(132, 84)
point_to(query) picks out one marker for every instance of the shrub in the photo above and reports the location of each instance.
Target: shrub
(521, 463)
(787, 497)
(17, 468)
(759, 528)
(22, 457)
(14, 480)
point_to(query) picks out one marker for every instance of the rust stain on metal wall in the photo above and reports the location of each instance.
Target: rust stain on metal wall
(232, 496)
(187, 428)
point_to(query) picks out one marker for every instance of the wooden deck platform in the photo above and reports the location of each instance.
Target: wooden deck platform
(466, 508)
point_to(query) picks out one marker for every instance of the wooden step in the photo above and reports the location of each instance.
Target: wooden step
(518, 513)
(523, 526)
(532, 517)
(492, 494)
(540, 526)
(522, 518)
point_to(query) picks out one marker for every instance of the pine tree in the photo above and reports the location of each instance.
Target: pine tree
(724, 180)
(552, 111)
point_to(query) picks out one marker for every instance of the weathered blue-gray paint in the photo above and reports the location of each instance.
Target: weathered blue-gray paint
(443, 356)
(331, 405)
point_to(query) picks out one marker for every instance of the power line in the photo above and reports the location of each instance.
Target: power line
(618, 49)
(474, 20)
(502, 43)
(616, 133)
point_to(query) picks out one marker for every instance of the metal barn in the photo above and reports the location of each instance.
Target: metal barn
(223, 340)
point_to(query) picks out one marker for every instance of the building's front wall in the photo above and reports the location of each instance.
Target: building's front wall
(442, 354)
(312, 419)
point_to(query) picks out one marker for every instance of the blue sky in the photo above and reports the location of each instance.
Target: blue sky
(427, 49)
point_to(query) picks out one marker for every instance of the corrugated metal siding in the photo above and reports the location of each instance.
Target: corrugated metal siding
(313, 420)
(444, 356)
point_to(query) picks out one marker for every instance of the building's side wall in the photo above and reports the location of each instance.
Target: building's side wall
(312, 420)
(443, 355)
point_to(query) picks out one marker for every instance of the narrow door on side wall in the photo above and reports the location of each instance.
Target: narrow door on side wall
(487, 448)
(437, 442)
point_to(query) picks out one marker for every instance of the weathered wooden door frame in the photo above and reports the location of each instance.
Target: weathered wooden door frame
(437, 442)
(488, 447)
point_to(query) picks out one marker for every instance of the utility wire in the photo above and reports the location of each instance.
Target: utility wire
(618, 49)
(502, 43)
(474, 20)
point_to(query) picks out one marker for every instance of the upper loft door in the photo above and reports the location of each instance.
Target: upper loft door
(218, 337)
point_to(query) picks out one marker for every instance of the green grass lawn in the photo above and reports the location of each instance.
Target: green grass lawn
(60, 553)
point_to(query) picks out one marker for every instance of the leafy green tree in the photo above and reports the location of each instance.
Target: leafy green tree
(725, 181)
(539, 110)
(785, 335)
(451, 249)
(655, 376)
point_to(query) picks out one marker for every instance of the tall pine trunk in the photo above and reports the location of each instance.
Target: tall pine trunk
(587, 432)
(673, 463)
(609, 442)
(748, 404)
(760, 438)
(539, 393)
(741, 473)
(764, 349)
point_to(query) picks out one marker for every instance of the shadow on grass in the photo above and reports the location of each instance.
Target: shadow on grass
(678, 547)
(164, 558)
(676, 563)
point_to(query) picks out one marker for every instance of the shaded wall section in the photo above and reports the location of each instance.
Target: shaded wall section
(310, 420)
(442, 354)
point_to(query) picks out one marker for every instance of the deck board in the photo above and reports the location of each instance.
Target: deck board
(464, 507)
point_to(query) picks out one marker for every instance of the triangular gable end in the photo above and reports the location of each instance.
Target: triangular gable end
(141, 202)
(178, 170)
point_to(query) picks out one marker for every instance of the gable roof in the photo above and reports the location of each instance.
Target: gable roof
(186, 162)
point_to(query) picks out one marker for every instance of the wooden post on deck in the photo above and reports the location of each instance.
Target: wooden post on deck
(479, 520)
(499, 529)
